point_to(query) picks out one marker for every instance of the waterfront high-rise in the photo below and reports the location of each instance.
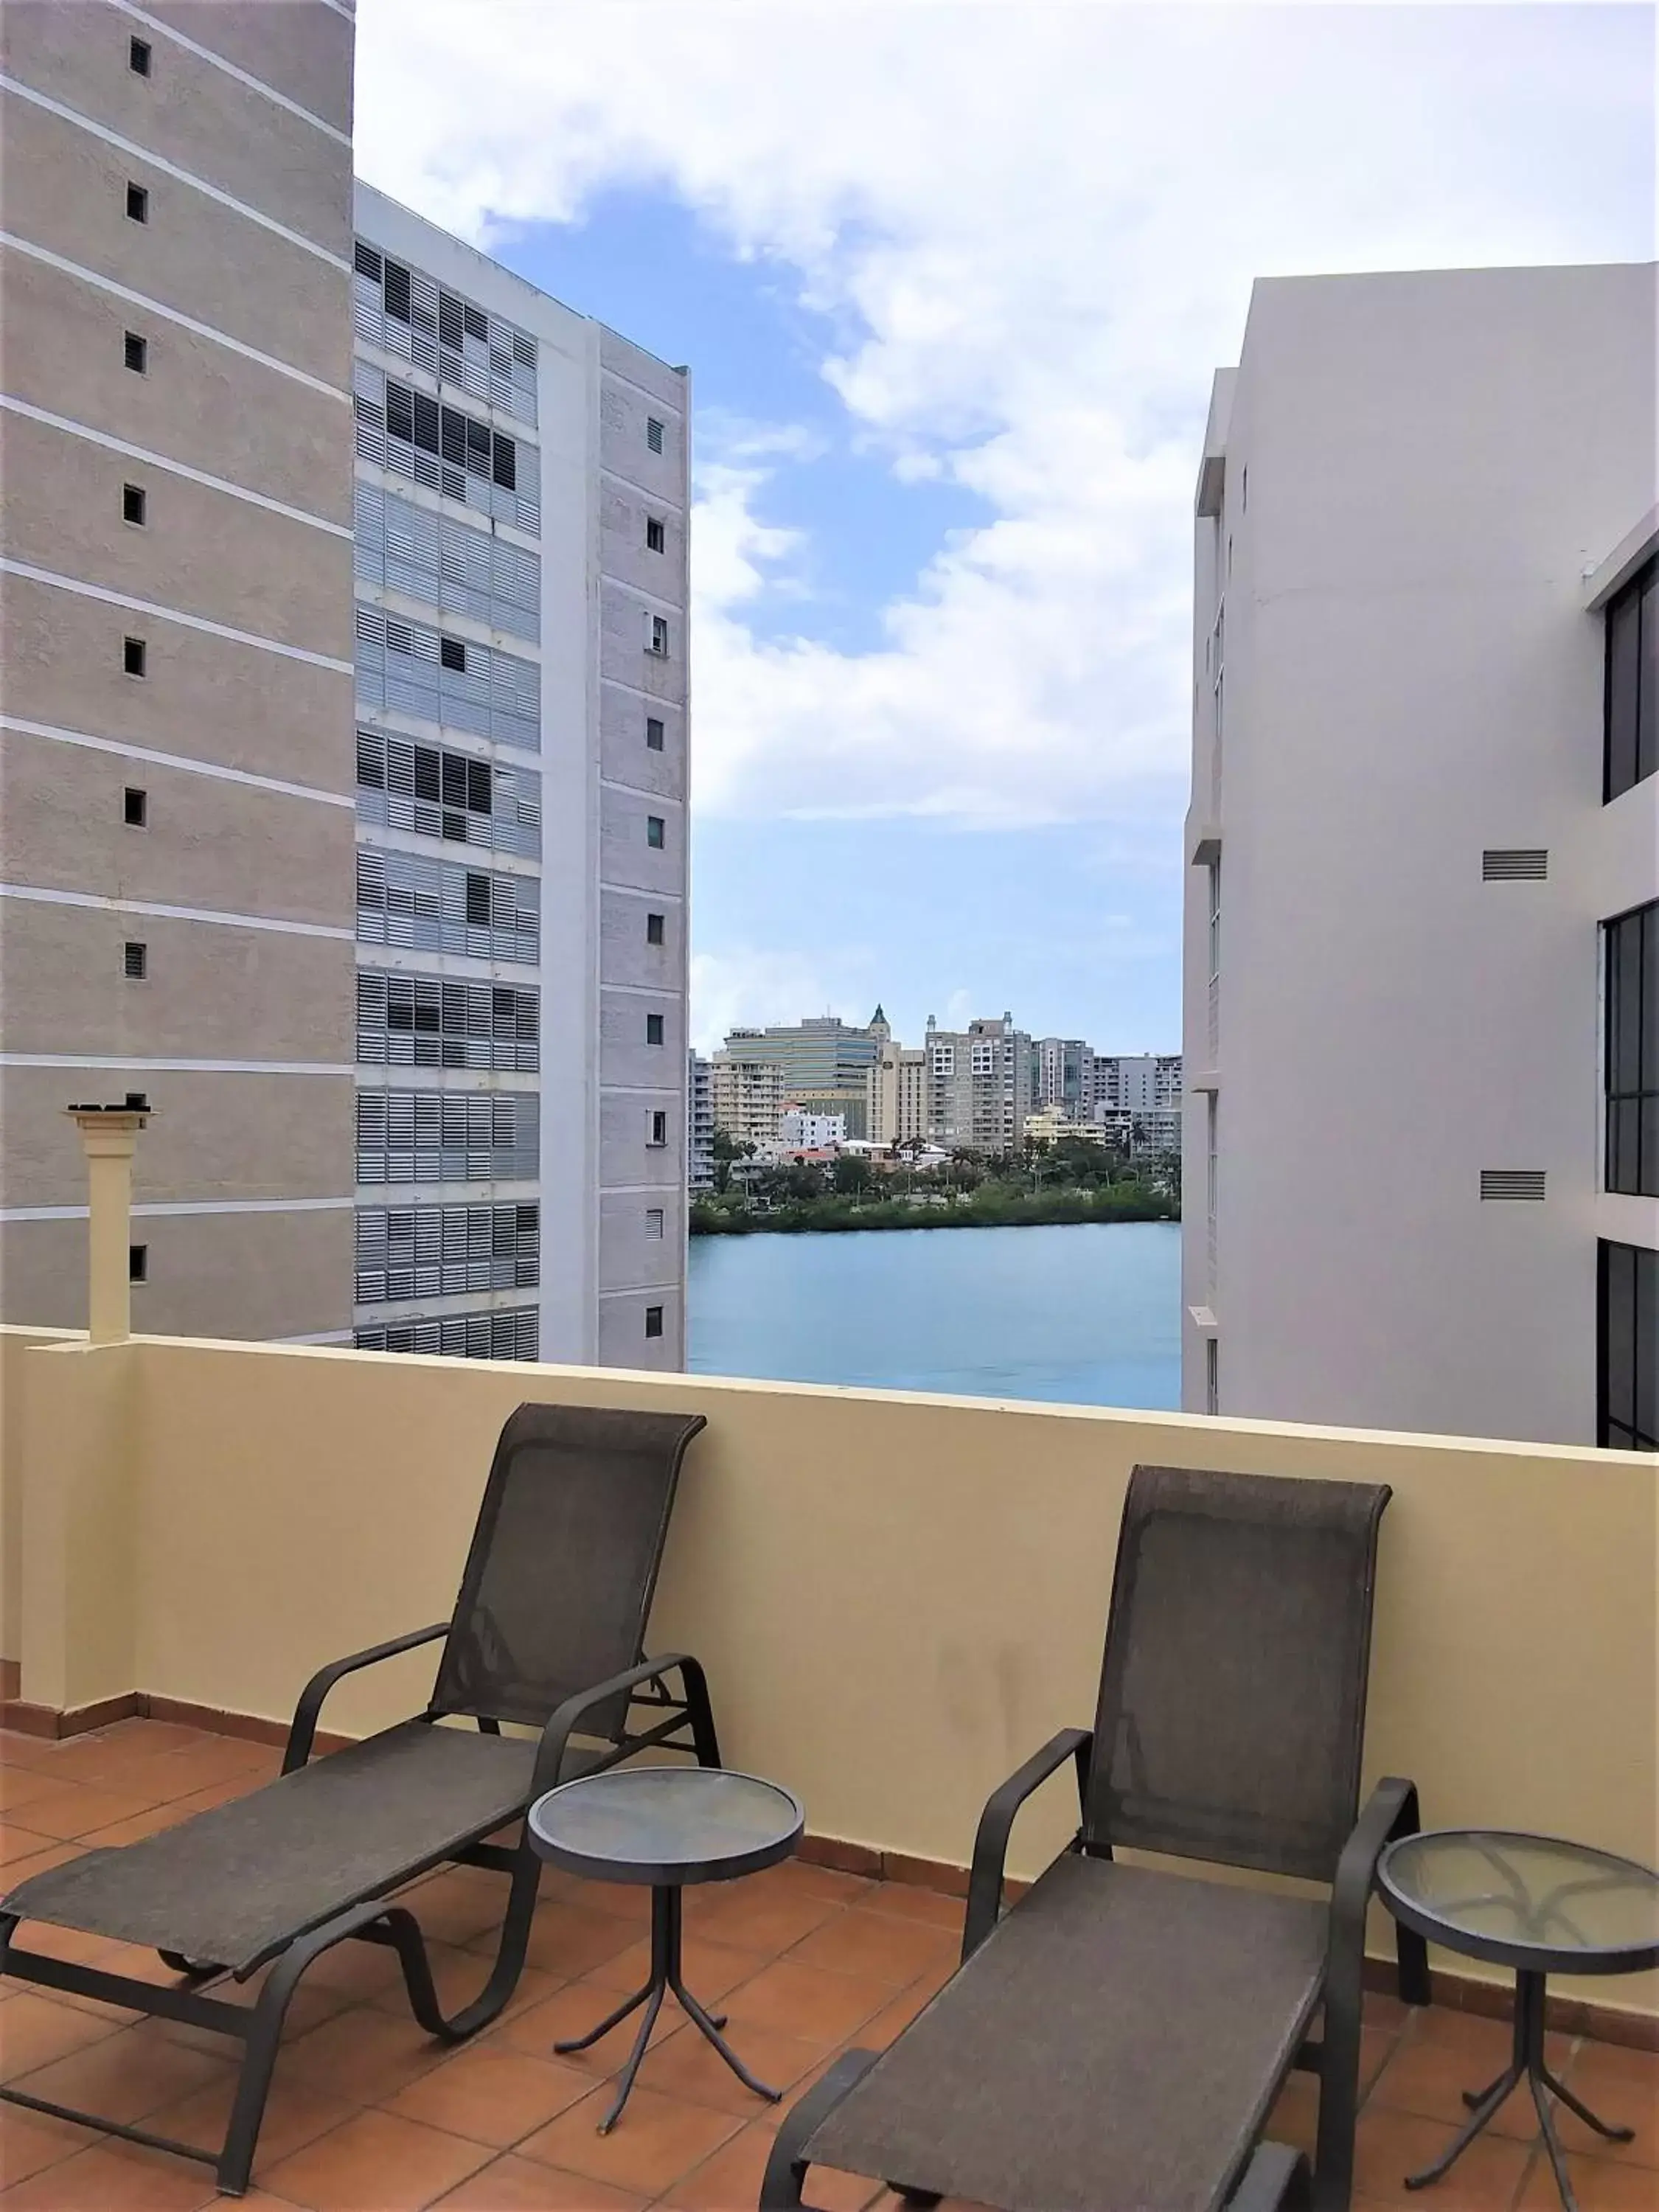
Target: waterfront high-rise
(1422, 929)
(979, 1085)
(176, 749)
(822, 1061)
(521, 504)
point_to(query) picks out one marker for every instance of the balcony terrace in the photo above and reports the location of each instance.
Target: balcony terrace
(896, 1598)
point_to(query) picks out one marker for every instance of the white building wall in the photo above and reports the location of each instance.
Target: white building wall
(1405, 485)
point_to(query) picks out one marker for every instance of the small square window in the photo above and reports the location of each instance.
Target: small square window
(453, 653)
(137, 204)
(655, 926)
(135, 352)
(133, 655)
(656, 832)
(654, 1028)
(659, 644)
(654, 733)
(653, 1320)
(138, 57)
(653, 1221)
(656, 536)
(658, 1125)
(133, 503)
(134, 807)
(134, 961)
(653, 431)
(137, 1263)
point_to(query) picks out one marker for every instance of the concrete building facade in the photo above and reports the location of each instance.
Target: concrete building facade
(979, 1085)
(747, 1092)
(521, 596)
(700, 1124)
(1422, 1116)
(175, 752)
(1063, 1076)
(898, 1113)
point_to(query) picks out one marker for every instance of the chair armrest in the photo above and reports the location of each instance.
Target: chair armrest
(303, 1728)
(786, 2168)
(1390, 1811)
(997, 1820)
(566, 1721)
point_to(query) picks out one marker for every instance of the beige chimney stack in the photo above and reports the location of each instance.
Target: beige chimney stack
(109, 1137)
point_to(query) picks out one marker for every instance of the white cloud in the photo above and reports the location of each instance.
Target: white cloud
(1031, 231)
(751, 986)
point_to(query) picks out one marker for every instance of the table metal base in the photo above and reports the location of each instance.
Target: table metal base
(1526, 2063)
(664, 1976)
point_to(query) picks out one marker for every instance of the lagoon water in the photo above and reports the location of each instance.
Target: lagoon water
(1084, 1314)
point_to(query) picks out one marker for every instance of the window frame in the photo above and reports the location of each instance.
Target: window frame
(655, 1319)
(135, 352)
(1641, 591)
(1630, 1435)
(135, 507)
(134, 807)
(656, 734)
(140, 55)
(1630, 1064)
(138, 201)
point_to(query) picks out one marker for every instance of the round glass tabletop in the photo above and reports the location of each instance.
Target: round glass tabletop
(1527, 1900)
(666, 1824)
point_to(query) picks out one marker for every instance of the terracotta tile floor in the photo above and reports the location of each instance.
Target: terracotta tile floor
(366, 2115)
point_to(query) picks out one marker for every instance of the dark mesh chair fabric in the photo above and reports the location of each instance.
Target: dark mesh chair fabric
(1232, 1698)
(1112, 2046)
(241, 1880)
(564, 1558)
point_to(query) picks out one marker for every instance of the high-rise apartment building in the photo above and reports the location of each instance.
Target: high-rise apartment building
(522, 1123)
(1422, 940)
(700, 1124)
(175, 746)
(979, 1085)
(1063, 1075)
(746, 1092)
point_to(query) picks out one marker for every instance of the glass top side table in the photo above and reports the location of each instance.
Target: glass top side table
(1540, 1905)
(667, 1826)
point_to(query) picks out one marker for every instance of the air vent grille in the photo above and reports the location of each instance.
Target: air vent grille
(1510, 1183)
(1515, 864)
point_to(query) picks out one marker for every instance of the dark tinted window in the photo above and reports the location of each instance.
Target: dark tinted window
(1632, 697)
(1632, 1023)
(1628, 1346)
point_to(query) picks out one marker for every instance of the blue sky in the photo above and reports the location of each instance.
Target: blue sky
(951, 280)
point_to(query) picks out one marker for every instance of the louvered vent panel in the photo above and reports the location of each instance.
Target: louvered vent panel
(1511, 1183)
(1515, 864)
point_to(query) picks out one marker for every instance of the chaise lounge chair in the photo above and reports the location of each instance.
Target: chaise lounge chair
(1114, 2042)
(547, 1633)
